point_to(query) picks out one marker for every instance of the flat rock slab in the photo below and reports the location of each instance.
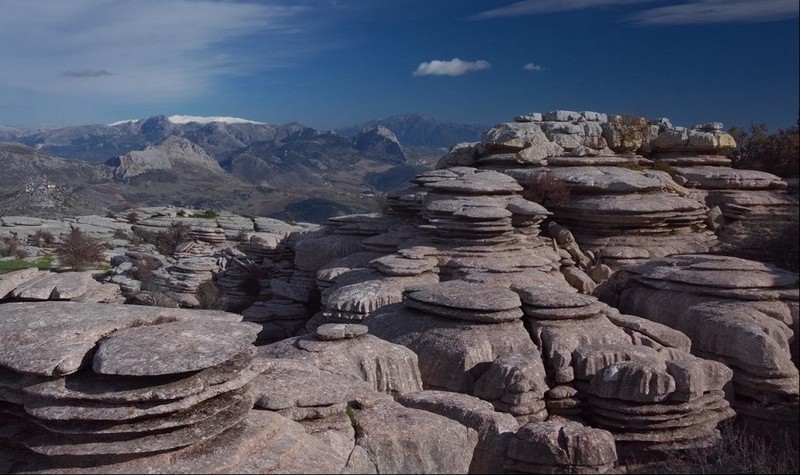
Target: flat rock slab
(87, 385)
(170, 348)
(54, 338)
(56, 286)
(464, 295)
(482, 182)
(548, 297)
(716, 271)
(12, 280)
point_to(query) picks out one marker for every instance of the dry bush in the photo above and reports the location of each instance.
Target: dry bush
(9, 245)
(166, 241)
(739, 451)
(253, 273)
(79, 251)
(144, 267)
(41, 238)
(210, 296)
(132, 217)
(548, 191)
(777, 153)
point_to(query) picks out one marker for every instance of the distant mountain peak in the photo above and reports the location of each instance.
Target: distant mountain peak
(186, 119)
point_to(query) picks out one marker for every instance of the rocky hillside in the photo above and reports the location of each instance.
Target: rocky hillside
(421, 130)
(175, 155)
(21, 164)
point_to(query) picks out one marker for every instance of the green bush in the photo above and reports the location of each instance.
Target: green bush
(206, 214)
(777, 153)
(79, 251)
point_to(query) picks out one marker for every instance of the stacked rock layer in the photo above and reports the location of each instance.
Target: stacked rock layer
(111, 384)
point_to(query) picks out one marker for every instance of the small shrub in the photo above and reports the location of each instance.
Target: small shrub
(548, 191)
(9, 245)
(144, 267)
(132, 217)
(777, 153)
(79, 251)
(206, 214)
(182, 213)
(111, 214)
(210, 296)
(41, 238)
(251, 281)
(166, 241)
(739, 451)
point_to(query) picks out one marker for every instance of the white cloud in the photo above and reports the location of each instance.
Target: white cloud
(688, 12)
(535, 7)
(454, 67)
(718, 11)
(130, 51)
(532, 67)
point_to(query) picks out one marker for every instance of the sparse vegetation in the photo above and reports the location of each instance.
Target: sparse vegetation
(41, 238)
(144, 267)
(548, 191)
(166, 241)
(776, 244)
(777, 153)
(251, 281)
(12, 246)
(206, 214)
(80, 251)
(739, 451)
(351, 414)
(210, 296)
(132, 217)
(42, 263)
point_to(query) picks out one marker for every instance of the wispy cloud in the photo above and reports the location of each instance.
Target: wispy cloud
(454, 67)
(86, 73)
(157, 49)
(687, 12)
(536, 7)
(718, 11)
(532, 67)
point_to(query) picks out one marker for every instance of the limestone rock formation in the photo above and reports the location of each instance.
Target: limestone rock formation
(742, 313)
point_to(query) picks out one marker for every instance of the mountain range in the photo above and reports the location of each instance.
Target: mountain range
(226, 162)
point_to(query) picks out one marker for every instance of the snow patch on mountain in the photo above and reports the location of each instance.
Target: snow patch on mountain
(185, 119)
(120, 122)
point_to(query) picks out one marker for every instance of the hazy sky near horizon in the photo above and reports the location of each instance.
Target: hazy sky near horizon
(331, 63)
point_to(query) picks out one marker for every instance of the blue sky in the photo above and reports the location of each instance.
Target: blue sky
(330, 63)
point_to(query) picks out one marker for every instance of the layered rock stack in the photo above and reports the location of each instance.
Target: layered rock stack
(118, 384)
(753, 207)
(584, 167)
(742, 313)
(653, 402)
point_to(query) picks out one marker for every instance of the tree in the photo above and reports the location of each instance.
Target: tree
(777, 153)
(79, 251)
